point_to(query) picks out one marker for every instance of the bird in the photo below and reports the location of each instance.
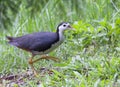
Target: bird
(40, 43)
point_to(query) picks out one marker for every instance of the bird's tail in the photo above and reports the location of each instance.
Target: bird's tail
(9, 38)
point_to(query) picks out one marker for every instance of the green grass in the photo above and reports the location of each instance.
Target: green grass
(90, 56)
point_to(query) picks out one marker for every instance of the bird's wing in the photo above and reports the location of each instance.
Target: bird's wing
(41, 45)
(36, 41)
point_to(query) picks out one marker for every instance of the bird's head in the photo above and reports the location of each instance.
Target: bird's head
(64, 26)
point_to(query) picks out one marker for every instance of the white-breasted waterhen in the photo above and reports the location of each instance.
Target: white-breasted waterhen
(40, 43)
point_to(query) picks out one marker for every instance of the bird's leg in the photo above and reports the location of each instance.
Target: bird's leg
(31, 64)
(46, 57)
(50, 57)
(43, 57)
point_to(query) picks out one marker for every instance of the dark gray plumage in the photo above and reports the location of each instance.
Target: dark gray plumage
(39, 41)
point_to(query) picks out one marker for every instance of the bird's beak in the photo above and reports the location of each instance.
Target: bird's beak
(71, 28)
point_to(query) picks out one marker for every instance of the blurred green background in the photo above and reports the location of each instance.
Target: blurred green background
(54, 10)
(90, 56)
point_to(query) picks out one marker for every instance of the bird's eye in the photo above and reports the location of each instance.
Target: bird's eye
(64, 25)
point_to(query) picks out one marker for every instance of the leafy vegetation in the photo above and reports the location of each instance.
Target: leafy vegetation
(90, 55)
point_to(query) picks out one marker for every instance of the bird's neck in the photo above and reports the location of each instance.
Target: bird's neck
(60, 34)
